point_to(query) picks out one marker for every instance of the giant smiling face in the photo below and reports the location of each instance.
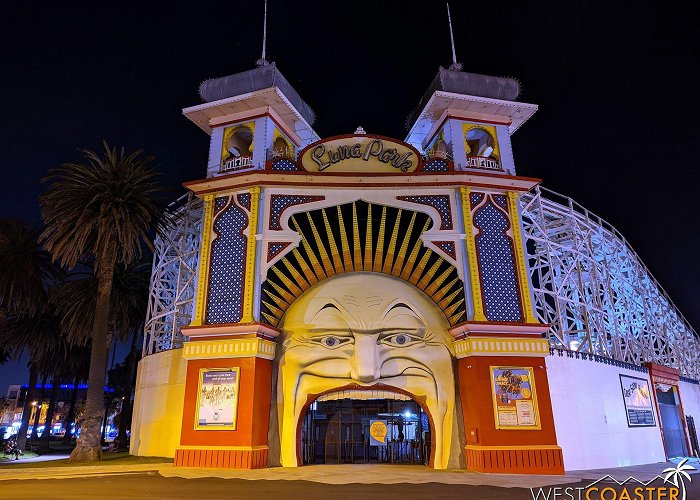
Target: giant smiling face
(365, 329)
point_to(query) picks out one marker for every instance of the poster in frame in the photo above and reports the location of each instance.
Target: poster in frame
(514, 398)
(217, 399)
(638, 400)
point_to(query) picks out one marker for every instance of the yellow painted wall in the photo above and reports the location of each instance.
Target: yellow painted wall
(160, 392)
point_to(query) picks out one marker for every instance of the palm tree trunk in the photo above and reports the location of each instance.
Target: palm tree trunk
(46, 435)
(71, 412)
(35, 427)
(26, 412)
(89, 446)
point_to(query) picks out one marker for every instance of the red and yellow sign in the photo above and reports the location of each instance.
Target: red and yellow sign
(359, 154)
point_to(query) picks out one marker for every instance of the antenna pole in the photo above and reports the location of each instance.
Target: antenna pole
(264, 33)
(455, 64)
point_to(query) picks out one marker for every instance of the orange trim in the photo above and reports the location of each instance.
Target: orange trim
(504, 450)
(221, 459)
(305, 173)
(356, 184)
(253, 404)
(515, 460)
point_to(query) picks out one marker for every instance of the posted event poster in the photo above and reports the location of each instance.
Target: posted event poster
(377, 432)
(514, 398)
(217, 398)
(638, 402)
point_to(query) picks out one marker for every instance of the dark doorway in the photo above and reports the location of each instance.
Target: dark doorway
(338, 432)
(671, 423)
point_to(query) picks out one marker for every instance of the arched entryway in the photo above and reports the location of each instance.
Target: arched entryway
(365, 426)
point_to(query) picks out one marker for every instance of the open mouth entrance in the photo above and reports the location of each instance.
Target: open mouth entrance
(365, 426)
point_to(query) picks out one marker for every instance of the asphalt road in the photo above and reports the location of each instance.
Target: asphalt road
(153, 485)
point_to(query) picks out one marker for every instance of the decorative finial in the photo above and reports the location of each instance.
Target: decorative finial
(455, 66)
(360, 131)
(262, 61)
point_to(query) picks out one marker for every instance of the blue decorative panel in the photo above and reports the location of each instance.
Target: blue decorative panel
(440, 202)
(244, 200)
(501, 200)
(274, 248)
(226, 274)
(448, 247)
(436, 165)
(283, 165)
(475, 199)
(281, 202)
(496, 257)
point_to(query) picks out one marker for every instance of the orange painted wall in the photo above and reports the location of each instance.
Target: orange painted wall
(477, 402)
(253, 404)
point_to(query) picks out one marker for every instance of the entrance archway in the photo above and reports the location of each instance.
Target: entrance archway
(365, 332)
(365, 426)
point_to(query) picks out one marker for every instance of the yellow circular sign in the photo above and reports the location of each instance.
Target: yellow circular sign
(526, 393)
(378, 430)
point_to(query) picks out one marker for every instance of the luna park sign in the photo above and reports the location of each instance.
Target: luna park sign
(359, 153)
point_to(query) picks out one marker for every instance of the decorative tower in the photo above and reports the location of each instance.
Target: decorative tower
(464, 123)
(256, 121)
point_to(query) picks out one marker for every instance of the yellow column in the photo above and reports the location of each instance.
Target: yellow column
(520, 257)
(249, 289)
(474, 276)
(203, 274)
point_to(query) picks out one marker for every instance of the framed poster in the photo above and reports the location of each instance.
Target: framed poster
(514, 398)
(639, 404)
(217, 399)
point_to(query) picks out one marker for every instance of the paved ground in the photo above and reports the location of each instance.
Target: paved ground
(39, 458)
(362, 482)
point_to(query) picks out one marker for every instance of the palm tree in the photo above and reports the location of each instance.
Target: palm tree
(27, 269)
(27, 272)
(678, 475)
(75, 301)
(101, 209)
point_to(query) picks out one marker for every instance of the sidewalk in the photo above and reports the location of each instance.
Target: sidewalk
(342, 474)
(39, 458)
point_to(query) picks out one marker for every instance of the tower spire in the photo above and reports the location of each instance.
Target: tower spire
(263, 61)
(455, 65)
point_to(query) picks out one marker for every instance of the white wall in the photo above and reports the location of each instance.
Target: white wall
(158, 401)
(590, 419)
(690, 399)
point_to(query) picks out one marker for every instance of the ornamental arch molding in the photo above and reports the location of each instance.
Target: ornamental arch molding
(361, 236)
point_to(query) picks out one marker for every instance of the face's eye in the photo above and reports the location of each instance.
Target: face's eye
(331, 341)
(400, 340)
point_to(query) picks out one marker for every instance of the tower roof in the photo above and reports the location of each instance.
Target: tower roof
(260, 78)
(462, 82)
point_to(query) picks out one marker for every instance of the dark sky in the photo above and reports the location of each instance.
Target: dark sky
(617, 89)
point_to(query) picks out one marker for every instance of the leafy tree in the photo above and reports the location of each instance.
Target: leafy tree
(102, 209)
(27, 272)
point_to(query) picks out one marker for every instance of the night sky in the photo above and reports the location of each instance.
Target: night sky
(616, 130)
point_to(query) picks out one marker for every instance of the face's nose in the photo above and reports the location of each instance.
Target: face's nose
(365, 362)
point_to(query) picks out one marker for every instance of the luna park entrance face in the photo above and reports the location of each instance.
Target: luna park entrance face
(346, 431)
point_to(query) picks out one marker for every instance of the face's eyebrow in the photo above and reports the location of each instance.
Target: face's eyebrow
(327, 305)
(400, 305)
